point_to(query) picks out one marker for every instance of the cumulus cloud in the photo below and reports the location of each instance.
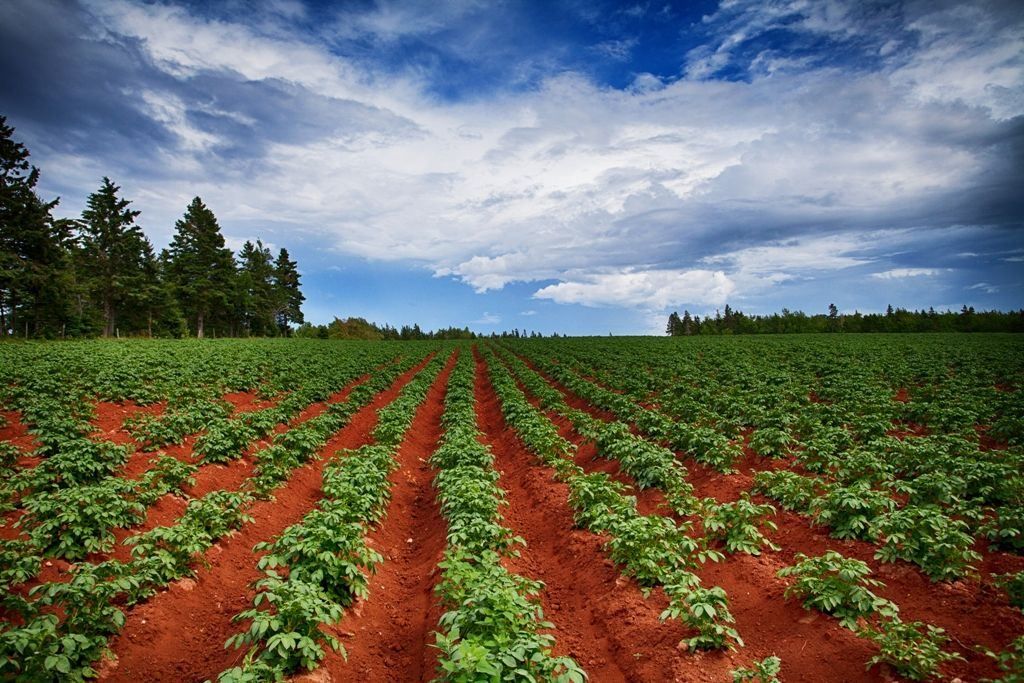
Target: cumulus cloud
(900, 273)
(671, 190)
(648, 289)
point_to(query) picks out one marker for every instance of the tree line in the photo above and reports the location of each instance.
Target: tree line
(360, 328)
(99, 274)
(893, 320)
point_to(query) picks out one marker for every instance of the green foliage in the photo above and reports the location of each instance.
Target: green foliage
(764, 671)
(770, 442)
(851, 510)
(1010, 663)
(492, 629)
(288, 630)
(838, 586)
(495, 631)
(72, 523)
(1013, 584)
(704, 609)
(1005, 529)
(737, 525)
(793, 491)
(913, 649)
(938, 544)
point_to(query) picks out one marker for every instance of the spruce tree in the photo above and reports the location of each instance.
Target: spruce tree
(289, 297)
(34, 248)
(258, 299)
(674, 327)
(114, 255)
(200, 267)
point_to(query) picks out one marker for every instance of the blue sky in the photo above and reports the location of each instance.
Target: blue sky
(581, 167)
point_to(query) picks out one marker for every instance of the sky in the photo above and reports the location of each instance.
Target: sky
(577, 166)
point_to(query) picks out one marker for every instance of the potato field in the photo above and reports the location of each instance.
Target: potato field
(788, 508)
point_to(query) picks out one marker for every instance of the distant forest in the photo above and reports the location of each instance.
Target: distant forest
(98, 275)
(893, 320)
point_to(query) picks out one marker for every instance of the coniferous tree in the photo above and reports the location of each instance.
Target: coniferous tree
(674, 327)
(114, 254)
(200, 267)
(257, 289)
(33, 247)
(289, 297)
(687, 324)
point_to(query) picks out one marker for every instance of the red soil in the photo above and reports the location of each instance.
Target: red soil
(246, 401)
(813, 647)
(179, 634)
(601, 618)
(208, 478)
(389, 635)
(14, 430)
(109, 419)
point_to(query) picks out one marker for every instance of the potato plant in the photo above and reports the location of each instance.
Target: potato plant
(837, 585)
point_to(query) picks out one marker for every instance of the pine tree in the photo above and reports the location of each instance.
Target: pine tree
(114, 254)
(257, 293)
(674, 327)
(34, 248)
(289, 297)
(834, 323)
(201, 269)
(687, 323)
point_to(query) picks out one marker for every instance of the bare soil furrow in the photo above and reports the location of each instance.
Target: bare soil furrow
(388, 635)
(179, 634)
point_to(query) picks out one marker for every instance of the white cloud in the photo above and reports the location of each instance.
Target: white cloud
(646, 289)
(528, 312)
(985, 287)
(901, 273)
(620, 196)
(487, 319)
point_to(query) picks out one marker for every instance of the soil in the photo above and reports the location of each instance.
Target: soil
(972, 611)
(812, 647)
(392, 630)
(179, 634)
(14, 430)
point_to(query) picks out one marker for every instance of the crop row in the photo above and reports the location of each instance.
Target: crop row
(45, 647)
(318, 567)
(652, 549)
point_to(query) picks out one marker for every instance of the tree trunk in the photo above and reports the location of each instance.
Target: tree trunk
(199, 326)
(149, 324)
(108, 318)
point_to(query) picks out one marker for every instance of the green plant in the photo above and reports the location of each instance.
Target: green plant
(914, 649)
(770, 442)
(838, 586)
(793, 491)
(764, 671)
(1013, 584)
(288, 630)
(703, 609)
(850, 510)
(938, 544)
(738, 524)
(1010, 663)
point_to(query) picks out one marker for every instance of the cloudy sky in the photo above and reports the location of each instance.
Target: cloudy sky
(578, 166)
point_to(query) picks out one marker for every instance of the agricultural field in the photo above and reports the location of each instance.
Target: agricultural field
(791, 508)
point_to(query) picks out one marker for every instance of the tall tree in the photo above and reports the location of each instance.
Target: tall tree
(257, 295)
(289, 297)
(114, 254)
(674, 327)
(33, 247)
(687, 323)
(200, 267)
